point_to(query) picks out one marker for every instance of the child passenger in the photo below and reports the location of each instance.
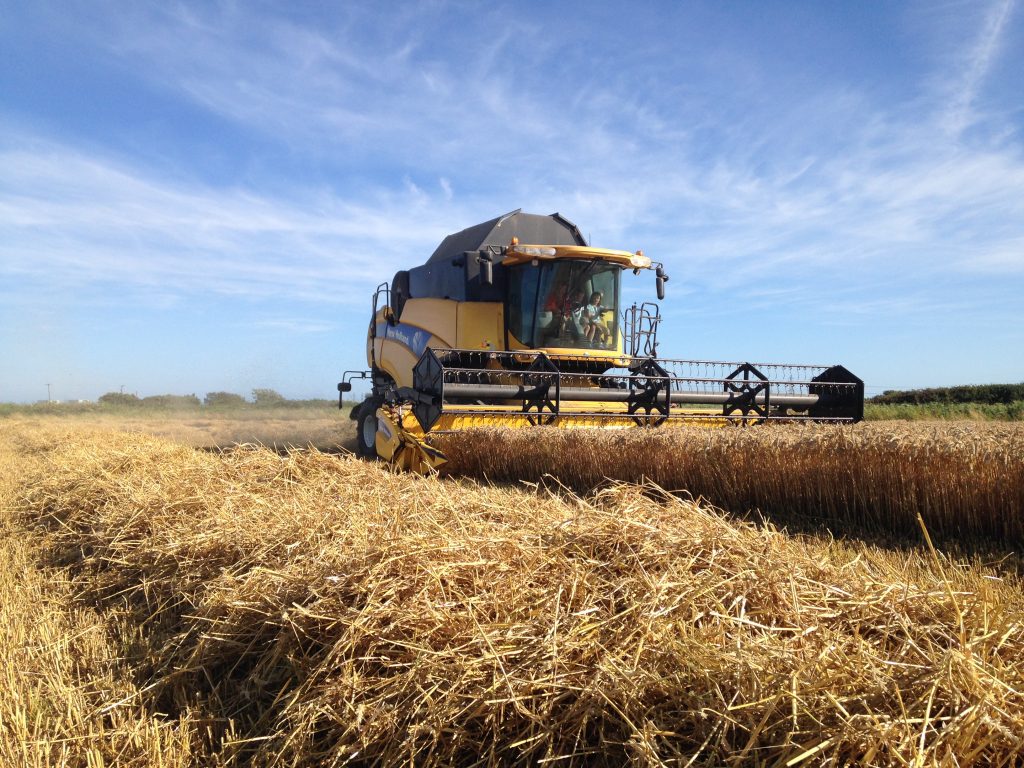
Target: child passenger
(593, 319)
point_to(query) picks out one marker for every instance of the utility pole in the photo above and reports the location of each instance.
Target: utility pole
(48, 393)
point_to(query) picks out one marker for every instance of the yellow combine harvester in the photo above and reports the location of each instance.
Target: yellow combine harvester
(517, 322)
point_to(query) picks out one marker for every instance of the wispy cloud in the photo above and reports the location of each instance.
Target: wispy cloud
(974, 66)
(260, 168)
(75, 218)
(808, 189)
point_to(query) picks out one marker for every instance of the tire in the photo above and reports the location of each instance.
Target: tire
(366, 429)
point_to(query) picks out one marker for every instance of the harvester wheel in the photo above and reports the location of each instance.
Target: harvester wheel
(366, 429)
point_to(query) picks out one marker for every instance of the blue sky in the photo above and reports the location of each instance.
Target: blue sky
(202, 196)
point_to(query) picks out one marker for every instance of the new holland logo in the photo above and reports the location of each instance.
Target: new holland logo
(415, 339)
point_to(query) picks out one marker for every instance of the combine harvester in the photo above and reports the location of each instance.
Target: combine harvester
(517, 322)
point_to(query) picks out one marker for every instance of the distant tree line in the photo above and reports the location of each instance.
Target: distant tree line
(989, 394)
(223, 400)
(261, 398)
(156, 401)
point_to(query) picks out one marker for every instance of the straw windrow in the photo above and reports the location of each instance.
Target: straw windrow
(317, 610)
(66, 698)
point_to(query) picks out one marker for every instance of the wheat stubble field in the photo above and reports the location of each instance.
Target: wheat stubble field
(168, 606)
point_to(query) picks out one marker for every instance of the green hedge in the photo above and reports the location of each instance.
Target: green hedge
(990, 394)
(1012, 411)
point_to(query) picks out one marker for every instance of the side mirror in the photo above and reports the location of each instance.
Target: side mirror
(486, 268)
(660, 279)
(345, 386)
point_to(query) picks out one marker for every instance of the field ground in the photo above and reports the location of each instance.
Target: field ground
(326, 429)
(163, 606)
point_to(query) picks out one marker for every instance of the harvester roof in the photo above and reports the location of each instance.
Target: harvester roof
(528, 227)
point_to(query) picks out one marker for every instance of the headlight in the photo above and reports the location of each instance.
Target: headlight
(639, 261)
(534, 251)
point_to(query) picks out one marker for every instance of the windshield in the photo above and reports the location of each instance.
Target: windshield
(568, 304)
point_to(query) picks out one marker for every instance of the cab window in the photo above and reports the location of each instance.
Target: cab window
(522, 302)
(566, 304)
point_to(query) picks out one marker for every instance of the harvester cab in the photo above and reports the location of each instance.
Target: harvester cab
(519, 322)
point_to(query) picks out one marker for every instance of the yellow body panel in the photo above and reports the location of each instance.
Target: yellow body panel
(396, 361)
(480, 325)
(424, 322)
(439, 316)
(437, 323)
(616, 354)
